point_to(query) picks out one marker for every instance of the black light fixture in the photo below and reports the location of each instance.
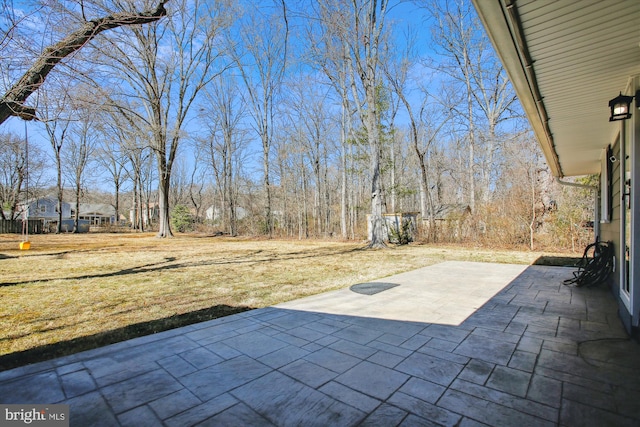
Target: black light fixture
(621, 106)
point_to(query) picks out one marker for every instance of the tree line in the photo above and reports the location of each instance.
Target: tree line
(282, 118)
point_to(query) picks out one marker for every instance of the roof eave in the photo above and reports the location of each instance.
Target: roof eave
(507, 39)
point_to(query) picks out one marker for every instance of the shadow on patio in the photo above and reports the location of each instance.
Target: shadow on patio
(452, 344)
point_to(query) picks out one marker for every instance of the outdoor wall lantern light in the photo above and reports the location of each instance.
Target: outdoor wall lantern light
(621, 106)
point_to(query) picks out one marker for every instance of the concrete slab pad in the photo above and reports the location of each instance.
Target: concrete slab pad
(445, 293)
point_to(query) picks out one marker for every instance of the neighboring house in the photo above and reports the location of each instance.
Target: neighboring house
(150, 214)
(214, 214)
(46, 209)
(568, 62)
(98, 214)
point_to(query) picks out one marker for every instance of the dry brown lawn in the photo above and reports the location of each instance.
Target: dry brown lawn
(72, 292)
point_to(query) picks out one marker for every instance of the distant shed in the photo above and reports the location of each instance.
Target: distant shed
(449, 218)
(395, 221)
(450, 212)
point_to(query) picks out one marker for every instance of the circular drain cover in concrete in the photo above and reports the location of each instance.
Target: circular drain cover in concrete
(372, 288)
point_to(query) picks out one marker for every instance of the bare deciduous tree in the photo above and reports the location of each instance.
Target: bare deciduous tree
(330, 52)
(167, 81)
(424, 124)
(365, 46)
(127, 153)
(359, 28)
(111, 155)
(310, 122)
(260, 53)
(225, 142)
(57, 127)
(77, 156)
(455, 32)
(489, 98)
(13, 173)
(12, 102)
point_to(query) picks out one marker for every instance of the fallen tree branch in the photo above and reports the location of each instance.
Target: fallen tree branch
(12, 103)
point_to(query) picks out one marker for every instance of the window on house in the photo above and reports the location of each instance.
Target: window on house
(43, 209)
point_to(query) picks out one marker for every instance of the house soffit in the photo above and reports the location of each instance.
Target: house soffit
(566, 60)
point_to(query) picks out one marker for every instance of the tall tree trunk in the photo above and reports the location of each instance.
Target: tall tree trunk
(472, 147)
(392, 150)
(76, 216)
(134, 206)
(60, 193)
(343, 174)
(267, 182)
(305, 213)
(231, 207)
(164, 224)
(377, 220)
(327, 198)
(117, 202)
(533, 210)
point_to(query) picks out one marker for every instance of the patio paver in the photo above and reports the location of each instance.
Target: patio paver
(458, 343)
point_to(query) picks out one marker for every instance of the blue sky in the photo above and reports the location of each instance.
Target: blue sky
(402, 15)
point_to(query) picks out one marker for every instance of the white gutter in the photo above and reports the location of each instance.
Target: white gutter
(504, 28)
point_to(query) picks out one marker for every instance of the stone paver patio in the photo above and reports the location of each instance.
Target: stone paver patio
(455, 344)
